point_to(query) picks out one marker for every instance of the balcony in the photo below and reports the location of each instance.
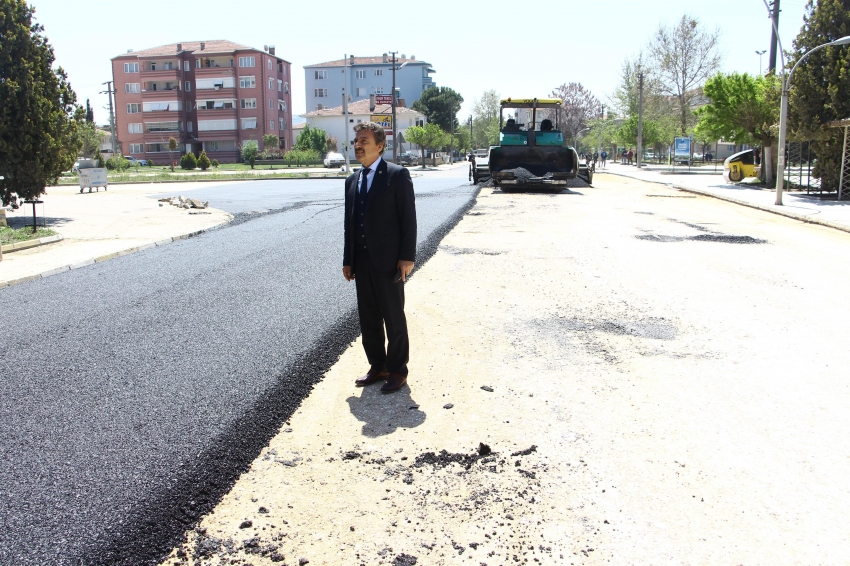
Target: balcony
(172, 75)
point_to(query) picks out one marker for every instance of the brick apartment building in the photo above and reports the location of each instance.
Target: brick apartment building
(209, 95)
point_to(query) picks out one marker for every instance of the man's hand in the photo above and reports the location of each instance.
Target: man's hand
(405, 267)
(347, 273)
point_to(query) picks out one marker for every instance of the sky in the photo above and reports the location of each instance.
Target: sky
(473, 46)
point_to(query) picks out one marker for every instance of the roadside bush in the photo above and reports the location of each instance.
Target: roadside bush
(150, 163)
(302, 157)
(101, 162)
(249, 152)
(204, 161)
(117, 164)
(215, 163)
(188, 162)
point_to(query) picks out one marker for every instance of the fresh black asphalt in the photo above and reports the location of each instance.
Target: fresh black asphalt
(135, 391)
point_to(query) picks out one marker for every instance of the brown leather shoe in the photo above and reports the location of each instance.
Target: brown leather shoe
(371, 377)
(394, 382)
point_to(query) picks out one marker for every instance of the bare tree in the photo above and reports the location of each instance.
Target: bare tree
(684, 56)
(578, 106)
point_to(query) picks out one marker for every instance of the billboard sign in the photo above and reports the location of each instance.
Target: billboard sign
(384, 120)
(383, 99)
(682, 147)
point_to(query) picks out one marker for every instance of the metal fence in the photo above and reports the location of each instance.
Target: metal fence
(799, 162)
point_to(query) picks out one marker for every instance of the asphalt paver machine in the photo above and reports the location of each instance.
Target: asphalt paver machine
(531, 155)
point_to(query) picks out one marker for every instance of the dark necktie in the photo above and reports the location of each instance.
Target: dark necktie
(363, 177)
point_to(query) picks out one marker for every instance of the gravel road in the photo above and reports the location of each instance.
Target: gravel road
(134, 391)
(658, 378)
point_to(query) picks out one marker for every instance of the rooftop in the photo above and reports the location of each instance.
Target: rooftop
(211, 47)
(362, 107)
(378, 60)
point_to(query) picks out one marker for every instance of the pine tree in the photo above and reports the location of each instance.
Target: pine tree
(819, 92)
(89, 112)
(39, 116)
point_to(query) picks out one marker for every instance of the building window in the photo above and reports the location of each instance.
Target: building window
(281, 124)
(247, 103)
(271, 84)
(281, 105)
(320, 75)
(379, 72)
(131, 67)
(360, 91)
(136, 148)
(360, 74)
(320, 92)
(189, 126)
(280, 86)
(247, 82)
(286, 88)
(134, 128)
(132, 88)
(246, 61)
(269, 61)
(134, 108)
(271, 104)
(197, 63)
(249, 123)
(271, 124)
(379, 90)
(188, 86)
(163, 126)
(169, 66)
(211, 146)
(186, 66)
(165, 106)
(215, 125)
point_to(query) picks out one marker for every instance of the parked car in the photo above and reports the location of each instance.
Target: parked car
(134, 161)
(408, 158)
(334, 159)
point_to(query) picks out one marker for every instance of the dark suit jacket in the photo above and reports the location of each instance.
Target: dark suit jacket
(390, 219)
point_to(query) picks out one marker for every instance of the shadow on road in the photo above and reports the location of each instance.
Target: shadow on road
(383, 414)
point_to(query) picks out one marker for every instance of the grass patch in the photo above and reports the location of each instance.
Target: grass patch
(14, 235)
(164, 174)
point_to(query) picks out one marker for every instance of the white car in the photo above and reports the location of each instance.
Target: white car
(334, 159)
(134, 161)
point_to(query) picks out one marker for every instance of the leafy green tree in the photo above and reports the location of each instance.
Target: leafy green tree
(250, 152)
(312, 138)
(440, 105)
(172, 147)
(430, 137)
(204, 161)
(189, 162)
(87, 138)
(38, 112)
(628, 132)
(89, 112)
(819, 93)
(270, 143)
(743, 109)
(485, 120)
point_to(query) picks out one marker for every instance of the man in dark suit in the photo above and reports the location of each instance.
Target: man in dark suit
(380, 248)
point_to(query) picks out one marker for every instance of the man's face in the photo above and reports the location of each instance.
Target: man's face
(365, 149)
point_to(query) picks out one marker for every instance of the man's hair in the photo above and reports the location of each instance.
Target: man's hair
(377, 131)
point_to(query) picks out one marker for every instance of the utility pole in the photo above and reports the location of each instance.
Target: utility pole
(640, 121)
(471, 144)
(345, 110)
(773, 39)
(110, 92)
(760, 53)
(395, 145)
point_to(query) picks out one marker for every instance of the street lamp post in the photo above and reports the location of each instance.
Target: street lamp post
(760, 53)
(783, 115)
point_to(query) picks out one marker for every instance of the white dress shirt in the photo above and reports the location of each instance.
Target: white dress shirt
(369, 176)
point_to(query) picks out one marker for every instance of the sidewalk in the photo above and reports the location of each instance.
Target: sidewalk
(101, 225)
(797, 205)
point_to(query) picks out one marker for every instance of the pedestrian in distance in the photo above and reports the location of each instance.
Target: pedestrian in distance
(379, 254)
(604, 156)
(631, 155)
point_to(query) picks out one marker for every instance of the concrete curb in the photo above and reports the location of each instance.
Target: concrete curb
(31, 244)
(113, 255)
(794, 215)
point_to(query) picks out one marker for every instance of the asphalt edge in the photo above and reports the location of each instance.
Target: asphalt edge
(153, 530)
(27, 244)
(793, 215)
(106, 257)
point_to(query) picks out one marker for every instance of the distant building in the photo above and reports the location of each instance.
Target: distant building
(209, 95)
(331, 121)
(366, 75)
